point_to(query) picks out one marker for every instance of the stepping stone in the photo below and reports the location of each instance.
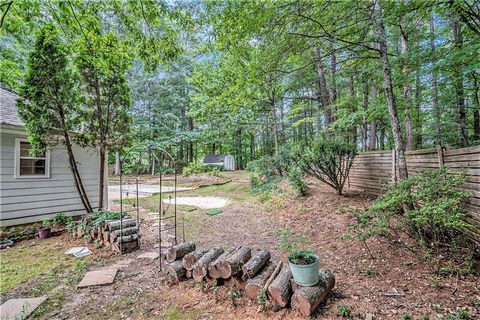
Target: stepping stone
(20, 308)
(148, 255)
(98, 278)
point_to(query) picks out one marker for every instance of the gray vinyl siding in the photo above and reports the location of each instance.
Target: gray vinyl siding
(25, 200)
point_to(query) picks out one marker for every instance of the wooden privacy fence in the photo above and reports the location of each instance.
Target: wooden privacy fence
(372, 170)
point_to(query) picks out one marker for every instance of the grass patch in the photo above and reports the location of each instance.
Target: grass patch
(23, 263)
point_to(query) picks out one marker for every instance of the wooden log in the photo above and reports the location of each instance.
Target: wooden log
(279, 290)
(213, 267)
(230, 282)
(255, 264)
(176, 270)
(213, 282)
(191, 258)
(188, 274)
(307, 299)
(200, 269)
(129, 238)
(240, 283)
(106, 236)
(254, 286)
(179, 251)
(233, 264)
(125, 232)
(115, 224)
(126, 246)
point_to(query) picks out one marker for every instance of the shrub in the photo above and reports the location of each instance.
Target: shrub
(297, 180)
(196, 168)
(437, 208)
(328, 159)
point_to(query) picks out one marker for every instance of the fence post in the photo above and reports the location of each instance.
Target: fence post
(440, 156)
(394, 165)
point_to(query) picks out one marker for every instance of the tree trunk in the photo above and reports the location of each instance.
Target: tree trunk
(418, 111)
(307, 299)
(190, 142)
(459, 89)
(76, 175)
(353, 132)
(179, 251)
(476, 112)
(333, 64)
(407, 93)
(435, 107)
(387, 81)
(252, 147)
(322, 86)
(364, 122)
(282, 122)
(117, 163)
(279, 290)
(239, 161)
(275, 127)
(373, 125)
(101, 184)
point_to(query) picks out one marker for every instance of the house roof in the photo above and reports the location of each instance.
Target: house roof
(214, 158)
(8, 109)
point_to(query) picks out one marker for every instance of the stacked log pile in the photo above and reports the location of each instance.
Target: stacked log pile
(252, 272)
(109, 234)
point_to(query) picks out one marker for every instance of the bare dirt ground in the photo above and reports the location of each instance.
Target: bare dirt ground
(392, 283)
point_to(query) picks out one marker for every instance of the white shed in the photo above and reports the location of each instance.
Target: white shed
(35, 188)
(226, 161)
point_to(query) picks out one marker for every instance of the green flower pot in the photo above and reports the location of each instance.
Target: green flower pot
(306, 275)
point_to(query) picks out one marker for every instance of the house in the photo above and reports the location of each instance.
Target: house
(225, 161)
(35, 188)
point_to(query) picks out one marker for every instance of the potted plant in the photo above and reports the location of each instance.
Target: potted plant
(44, 230)
(304, 264)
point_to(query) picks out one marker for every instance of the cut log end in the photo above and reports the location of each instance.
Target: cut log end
(307, 299)
(179, 251)
(279, 290)
(176, 270)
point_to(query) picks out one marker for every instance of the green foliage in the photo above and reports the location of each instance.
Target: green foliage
(297, 180)
(51, 106)
(18, 233)
(430, 206)
(96, 219)
(344, 311)
(197, 168)
(294, 244)
(47, 223)
(262, 299)
(328, 159)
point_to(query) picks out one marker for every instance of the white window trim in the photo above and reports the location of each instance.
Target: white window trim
(17, 163)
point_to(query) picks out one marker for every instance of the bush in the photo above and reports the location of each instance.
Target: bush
(437, 210)
(196, 168)
(328, 159)
(297, 180)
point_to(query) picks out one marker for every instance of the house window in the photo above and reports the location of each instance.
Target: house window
(28, 166)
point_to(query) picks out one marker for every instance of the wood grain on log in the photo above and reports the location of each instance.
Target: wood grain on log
(126, 232)
(188, 274)
(115, 224)
(212, 268)
(179, 251)
(255, 264)
(239, 282)
(254, 286)
(233, 264)
(200, 269)
(279, 290)
(191, 258)
(307, 299)
(176, 270)
(130, 238)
